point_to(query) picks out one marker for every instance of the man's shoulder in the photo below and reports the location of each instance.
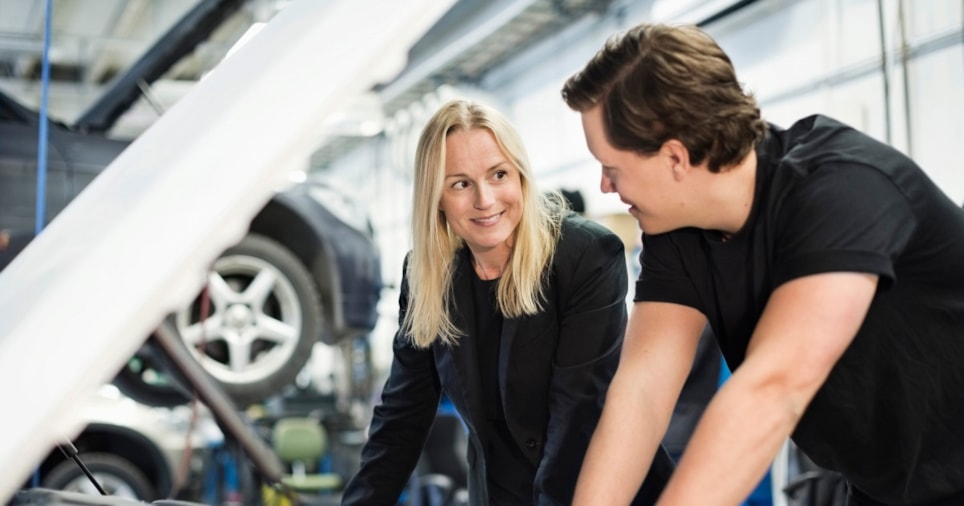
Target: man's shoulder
(818, 140)
(814, 124)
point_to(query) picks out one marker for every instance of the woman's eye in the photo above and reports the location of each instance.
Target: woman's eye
(459, 185)
(502, 174)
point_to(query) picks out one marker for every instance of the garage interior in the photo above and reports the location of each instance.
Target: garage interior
(329, 222)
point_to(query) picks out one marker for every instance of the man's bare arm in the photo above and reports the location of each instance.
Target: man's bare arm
(806, 327)
(657, 355)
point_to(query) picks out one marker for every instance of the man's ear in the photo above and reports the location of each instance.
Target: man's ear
(678, 156)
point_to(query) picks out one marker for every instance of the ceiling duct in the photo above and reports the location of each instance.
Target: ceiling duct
(469, 40)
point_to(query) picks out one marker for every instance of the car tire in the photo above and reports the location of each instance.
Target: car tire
(118, 476)
(263, 317)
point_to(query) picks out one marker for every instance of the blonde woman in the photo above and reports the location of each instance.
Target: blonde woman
(514, 308)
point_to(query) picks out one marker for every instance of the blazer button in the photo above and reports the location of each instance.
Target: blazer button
(530, 444)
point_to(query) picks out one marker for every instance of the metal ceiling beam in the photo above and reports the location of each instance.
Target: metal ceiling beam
(461, 46)
(195, 27)
(500, 14)
(124, 20)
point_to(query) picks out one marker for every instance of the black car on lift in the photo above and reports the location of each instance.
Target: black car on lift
(307, 271)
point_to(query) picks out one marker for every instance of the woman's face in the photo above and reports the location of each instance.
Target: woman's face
(481, 194)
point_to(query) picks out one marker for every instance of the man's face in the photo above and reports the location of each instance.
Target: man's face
(644, 182)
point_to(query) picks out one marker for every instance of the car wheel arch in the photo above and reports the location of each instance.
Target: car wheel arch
(288, 226)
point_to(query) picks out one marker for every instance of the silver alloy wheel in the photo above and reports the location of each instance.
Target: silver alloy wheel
(117, 475)
(112, 484)
(255, 321)
(262, 316)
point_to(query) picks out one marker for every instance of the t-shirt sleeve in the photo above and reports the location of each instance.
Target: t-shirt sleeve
(843, 217)
(663, 276)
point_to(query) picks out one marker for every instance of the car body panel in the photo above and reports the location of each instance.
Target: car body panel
(73, 161)
(344, 260)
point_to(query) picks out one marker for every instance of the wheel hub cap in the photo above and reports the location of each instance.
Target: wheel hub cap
(239, 317)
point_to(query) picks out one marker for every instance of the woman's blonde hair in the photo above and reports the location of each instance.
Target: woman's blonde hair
(434, 245)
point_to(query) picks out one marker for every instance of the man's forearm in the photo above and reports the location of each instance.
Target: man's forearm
(733, 446)
(621, 449)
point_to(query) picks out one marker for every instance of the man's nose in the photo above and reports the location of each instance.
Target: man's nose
(606, 184)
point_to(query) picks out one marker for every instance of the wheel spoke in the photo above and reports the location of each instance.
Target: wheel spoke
(220, 291)
(260, 288)
(212, 330)
(239, 350)
(272, 329)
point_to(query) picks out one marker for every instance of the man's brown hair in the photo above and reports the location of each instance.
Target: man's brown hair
(658, 82)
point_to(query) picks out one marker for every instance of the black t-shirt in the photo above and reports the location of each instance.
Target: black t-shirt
(509, 473)
(890, 416)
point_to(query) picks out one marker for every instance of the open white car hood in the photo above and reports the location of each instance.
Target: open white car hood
(138, 241)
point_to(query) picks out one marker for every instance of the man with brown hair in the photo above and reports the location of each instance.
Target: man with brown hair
(829, 266)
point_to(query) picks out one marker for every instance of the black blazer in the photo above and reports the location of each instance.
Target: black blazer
(554, 366)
